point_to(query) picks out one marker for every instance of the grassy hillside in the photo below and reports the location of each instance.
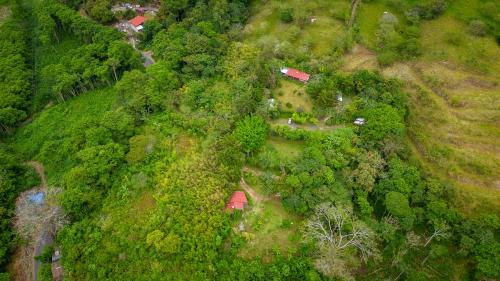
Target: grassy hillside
(146, 158)
(454, 84)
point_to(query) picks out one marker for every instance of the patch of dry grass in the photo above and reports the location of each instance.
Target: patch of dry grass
(360, 58)
(454, 124)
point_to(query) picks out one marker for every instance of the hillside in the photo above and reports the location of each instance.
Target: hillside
(251, 140)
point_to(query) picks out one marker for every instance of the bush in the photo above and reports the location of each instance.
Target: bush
(291, 134)
(387, 58)
(477, 28)
(46, 254)
(428, 11)
(286, 15)
(286, 224)
(45, 272)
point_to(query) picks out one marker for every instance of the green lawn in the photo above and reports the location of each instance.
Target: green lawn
(268, 227)
(316, 38)
(293, 92)
(285, 147)
(368, 18)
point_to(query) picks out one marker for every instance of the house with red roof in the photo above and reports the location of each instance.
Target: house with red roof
(136, 23)
(237, 201)
(295, 74)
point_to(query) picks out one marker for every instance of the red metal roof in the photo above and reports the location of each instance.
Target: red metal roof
(137, 21)
(237, 201)
(294, 73)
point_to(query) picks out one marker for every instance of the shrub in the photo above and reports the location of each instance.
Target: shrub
(387, 58)
(286, 224)
(292, 33)
(477, 28)
(410, 48)
(286, 15)
(46, 254)
(430, 10)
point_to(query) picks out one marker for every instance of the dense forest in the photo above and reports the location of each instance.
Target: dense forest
(143, 158)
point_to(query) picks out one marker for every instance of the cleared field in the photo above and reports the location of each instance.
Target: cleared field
(285, 147)
(268, 228)
(368, 18)
(293, 93)
(303, 35)
(447, 39)
(454, 127)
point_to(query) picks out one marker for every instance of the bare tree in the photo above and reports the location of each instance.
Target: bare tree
(440, 230)
(336, 227)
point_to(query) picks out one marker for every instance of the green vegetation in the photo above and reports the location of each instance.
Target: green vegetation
(15, 86)
(146, 158)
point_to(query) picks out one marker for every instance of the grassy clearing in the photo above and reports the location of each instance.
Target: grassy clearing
(453, 127)
(293, 93)
(317, 37)
(447, 39)
(49, 130)
(268, 228)
(368, 19)
(290, 149)
(360, 58)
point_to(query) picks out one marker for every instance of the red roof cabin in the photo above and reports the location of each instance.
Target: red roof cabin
(136, 23)
(295, 74)
(237, 201)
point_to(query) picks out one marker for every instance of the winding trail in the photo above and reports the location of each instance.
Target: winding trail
(40, 170)
(257, 198)
(45, 237)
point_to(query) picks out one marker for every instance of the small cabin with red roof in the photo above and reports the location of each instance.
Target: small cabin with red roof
(136, 23)
(295, 74)
(237, 201)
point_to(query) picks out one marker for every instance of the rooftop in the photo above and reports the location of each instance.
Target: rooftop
(139, 20)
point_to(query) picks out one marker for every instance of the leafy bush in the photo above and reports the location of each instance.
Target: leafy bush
(251, 132)
(286, 224)
(46, 254)
(291, 134)
(387, 58)
(430, 10)
(286, 15)
(477, 28)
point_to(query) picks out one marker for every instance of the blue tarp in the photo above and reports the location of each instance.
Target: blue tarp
(36, 197)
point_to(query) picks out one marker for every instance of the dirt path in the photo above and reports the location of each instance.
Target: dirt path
(257, 198)
(37, 223)
(40, 170)
(46, 238)
(308, 127)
